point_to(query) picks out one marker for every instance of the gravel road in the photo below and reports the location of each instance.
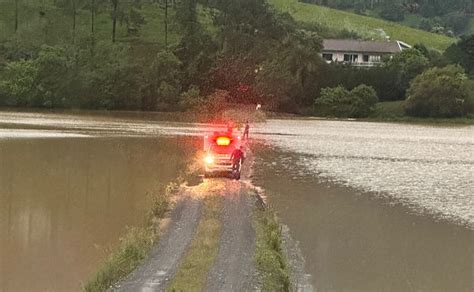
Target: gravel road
(234, 269)
(163, 261)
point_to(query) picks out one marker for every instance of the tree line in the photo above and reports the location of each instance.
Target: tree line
(212, 52)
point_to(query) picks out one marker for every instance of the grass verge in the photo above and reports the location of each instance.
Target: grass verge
(269, 258)
(192, 273)
(133, 247)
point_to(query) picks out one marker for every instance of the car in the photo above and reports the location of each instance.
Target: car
(218, 149)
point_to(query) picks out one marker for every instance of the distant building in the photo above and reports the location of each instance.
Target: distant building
(360, 53)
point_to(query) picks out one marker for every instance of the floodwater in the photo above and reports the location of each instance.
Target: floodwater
(67, 194)
(374, 207)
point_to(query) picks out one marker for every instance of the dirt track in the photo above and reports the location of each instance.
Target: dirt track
(164, 259)
(233, 268)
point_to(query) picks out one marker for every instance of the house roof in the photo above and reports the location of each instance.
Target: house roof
(358, 46)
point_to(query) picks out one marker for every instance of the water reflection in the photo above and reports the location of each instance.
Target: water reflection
(63, 200)
(355, 241)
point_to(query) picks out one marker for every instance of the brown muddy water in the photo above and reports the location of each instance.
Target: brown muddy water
(374, 207)
(67, 196)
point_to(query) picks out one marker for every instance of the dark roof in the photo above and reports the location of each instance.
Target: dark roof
(358, 46)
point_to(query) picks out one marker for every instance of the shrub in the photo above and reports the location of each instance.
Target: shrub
(18, 82)
(439, 93)
(339, 102)
(191, 98)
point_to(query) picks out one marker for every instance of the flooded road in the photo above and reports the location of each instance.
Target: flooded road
(67, 195)
(373, 206)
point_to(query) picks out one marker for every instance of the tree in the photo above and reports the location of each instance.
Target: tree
(408, 64)
(16, 16)
(340, 102)
(393, 11)
(438, 93)
(115, 5)
(71, 8)
(18, 82)
(162, 81)
(462, 53)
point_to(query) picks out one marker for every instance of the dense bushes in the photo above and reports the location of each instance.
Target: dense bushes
(68, 77)
(439, 93)
(340, 102)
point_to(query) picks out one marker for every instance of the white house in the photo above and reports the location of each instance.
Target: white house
(358, 52)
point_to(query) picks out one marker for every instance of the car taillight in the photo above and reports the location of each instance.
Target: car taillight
(223, 141)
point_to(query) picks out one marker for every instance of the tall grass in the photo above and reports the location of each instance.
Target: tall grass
(368, 27)
(133, 246)
(269, 257)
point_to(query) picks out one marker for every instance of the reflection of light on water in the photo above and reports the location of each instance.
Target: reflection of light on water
(427, 168)
(20, 133)
(29, 226)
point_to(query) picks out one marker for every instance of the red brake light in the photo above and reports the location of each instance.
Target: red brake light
(223, 141)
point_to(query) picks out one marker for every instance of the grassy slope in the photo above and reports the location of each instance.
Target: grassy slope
(366, 26)
(56, 26)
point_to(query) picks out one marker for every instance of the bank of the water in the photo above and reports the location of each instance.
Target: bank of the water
(134, 245)
(269, 257)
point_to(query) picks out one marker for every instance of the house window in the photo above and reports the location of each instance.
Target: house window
(375, 59)
(327, 57)
(366, 58)
(351, 58)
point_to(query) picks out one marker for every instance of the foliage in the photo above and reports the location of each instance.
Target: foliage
(269, 256)
(439, 93)
(340, 102)
(408, 64)
(392, 11)
(18, 81)
(462, 53)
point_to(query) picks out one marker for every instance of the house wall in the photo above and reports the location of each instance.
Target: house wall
(339, 57)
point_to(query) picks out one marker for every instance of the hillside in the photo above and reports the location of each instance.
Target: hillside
(368, 27)
(45, 23)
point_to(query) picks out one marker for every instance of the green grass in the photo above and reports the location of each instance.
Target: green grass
(133, 247)
(269, 258)
(393, 112)
(368, 27)
(192, 273)
(55, 26)
(391, 109)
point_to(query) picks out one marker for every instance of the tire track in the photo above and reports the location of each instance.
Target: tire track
(165, 258)
(234, 269)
